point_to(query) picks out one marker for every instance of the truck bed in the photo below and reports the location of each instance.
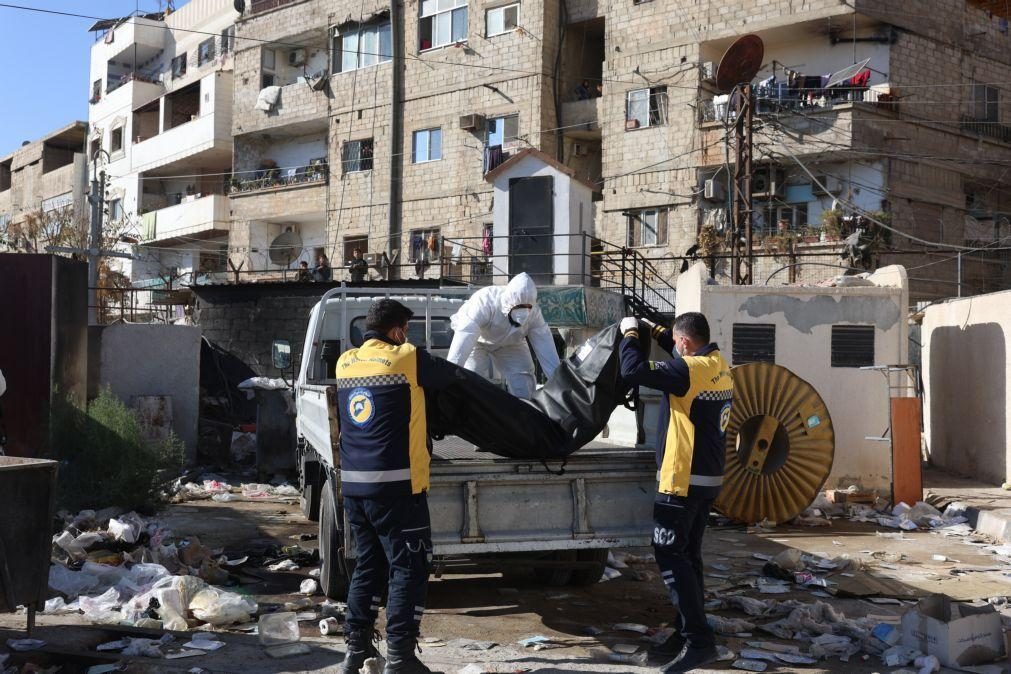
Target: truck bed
(454, 449)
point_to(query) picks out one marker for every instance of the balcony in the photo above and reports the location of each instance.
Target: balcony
(258, 6)
(986, 129)
(130, 94)
(582, 118)
(209, 133)
(276, 178)
(196, 216)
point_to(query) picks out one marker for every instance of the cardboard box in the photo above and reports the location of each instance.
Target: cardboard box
(959, 634)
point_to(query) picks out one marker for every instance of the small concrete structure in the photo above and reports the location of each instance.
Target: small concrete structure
(801, 324)
(569, 219)
(966, 373)
(139, 361)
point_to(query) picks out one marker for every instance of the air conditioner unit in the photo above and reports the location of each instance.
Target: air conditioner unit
(714, 190)
(832, 186)
(767, 183)
(296, 57)
(471, 122)
(708, 71)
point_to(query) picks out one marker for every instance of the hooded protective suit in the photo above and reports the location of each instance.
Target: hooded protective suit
(489, 330)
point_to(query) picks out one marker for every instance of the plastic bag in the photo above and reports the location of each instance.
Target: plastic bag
(101, 609)
(218, 607)
(72, 584)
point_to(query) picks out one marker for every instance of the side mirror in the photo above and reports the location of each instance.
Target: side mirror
(280, 352)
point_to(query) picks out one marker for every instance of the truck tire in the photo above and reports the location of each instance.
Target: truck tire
(556, 576)
(309, 498)
(334, 570)
(592, 574)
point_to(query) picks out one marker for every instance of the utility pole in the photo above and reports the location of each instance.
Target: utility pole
(742, 245)
(94, 251)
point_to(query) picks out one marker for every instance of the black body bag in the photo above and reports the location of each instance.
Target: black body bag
(563, 416)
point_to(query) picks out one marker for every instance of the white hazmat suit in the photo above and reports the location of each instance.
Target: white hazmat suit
(491, 329)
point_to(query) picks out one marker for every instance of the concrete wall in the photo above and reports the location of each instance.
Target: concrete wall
(966, 372)
(857, 400)
(156, 360)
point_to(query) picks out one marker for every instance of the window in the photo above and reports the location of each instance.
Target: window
(984, 106)
(502, 130)
(352, 242)
(94, 147)
(268, 59)
(500, 20)
(646, 107)
(440, 330)
(426, 245)
(116, 140)
(443, 22)
(640, 2)
(178, 66)
(647, 227)
(362, 45)
(766, 217)
(754, 343)
(96, 91)
(205, 52)
(356, 155)
(115, 210)
(427, 145)
(852, 345)
(58, 202)
(228, 40)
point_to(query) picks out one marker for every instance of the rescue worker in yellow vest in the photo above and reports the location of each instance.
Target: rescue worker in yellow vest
(690, 456)
(385, 451)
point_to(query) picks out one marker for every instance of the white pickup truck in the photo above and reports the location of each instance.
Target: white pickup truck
(487, 511)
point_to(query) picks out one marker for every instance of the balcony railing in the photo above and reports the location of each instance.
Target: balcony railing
(780, 98)
(258, 6)
(114, 83)
(982, 127)
(265, 179)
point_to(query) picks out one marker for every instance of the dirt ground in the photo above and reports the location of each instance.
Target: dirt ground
(505, 609)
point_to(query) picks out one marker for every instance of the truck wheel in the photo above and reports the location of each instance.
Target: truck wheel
(334, 571)
(556, 576)
(309, 499)
(591, 574)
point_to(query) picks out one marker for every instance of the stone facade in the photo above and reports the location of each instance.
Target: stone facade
(45, 176)
(924, 162)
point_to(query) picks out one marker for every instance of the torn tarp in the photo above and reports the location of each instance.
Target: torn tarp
(568, 412)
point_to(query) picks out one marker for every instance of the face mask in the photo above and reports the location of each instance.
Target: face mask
(519, 316)
(401, 336)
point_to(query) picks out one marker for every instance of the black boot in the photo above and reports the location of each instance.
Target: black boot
(692, 658)
(401, 659)
(669, 649)
(360, 647)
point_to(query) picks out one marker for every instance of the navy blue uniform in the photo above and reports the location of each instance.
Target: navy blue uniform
(385, 452)
(690, 453)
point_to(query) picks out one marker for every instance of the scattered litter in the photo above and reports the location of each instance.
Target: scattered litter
(628, 659)
(471, 669)
(750, 665)
(329, 627)
(308, 586)
(204, 641)
(609, 574)
(472, 645)
(538, 642)
(283, 565)
(630, 627)
(25, 644)
(627, 649)
(724, 654)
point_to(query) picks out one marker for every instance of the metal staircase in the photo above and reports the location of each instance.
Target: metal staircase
(626, 270)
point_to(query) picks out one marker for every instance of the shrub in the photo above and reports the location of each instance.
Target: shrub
(105, 459)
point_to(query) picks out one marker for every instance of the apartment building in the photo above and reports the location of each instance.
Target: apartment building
(865, 111)
(43, 185)
(160, 119)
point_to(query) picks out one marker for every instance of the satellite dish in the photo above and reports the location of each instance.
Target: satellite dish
(849, 71)
(740, 63)
(285, 249)
(240, 6)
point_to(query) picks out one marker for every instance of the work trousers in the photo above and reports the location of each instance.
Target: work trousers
(393, 541)
(513, 363)
(678, 526)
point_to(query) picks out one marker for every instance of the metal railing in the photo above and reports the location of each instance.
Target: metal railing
(265, 179)
(982, 127)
